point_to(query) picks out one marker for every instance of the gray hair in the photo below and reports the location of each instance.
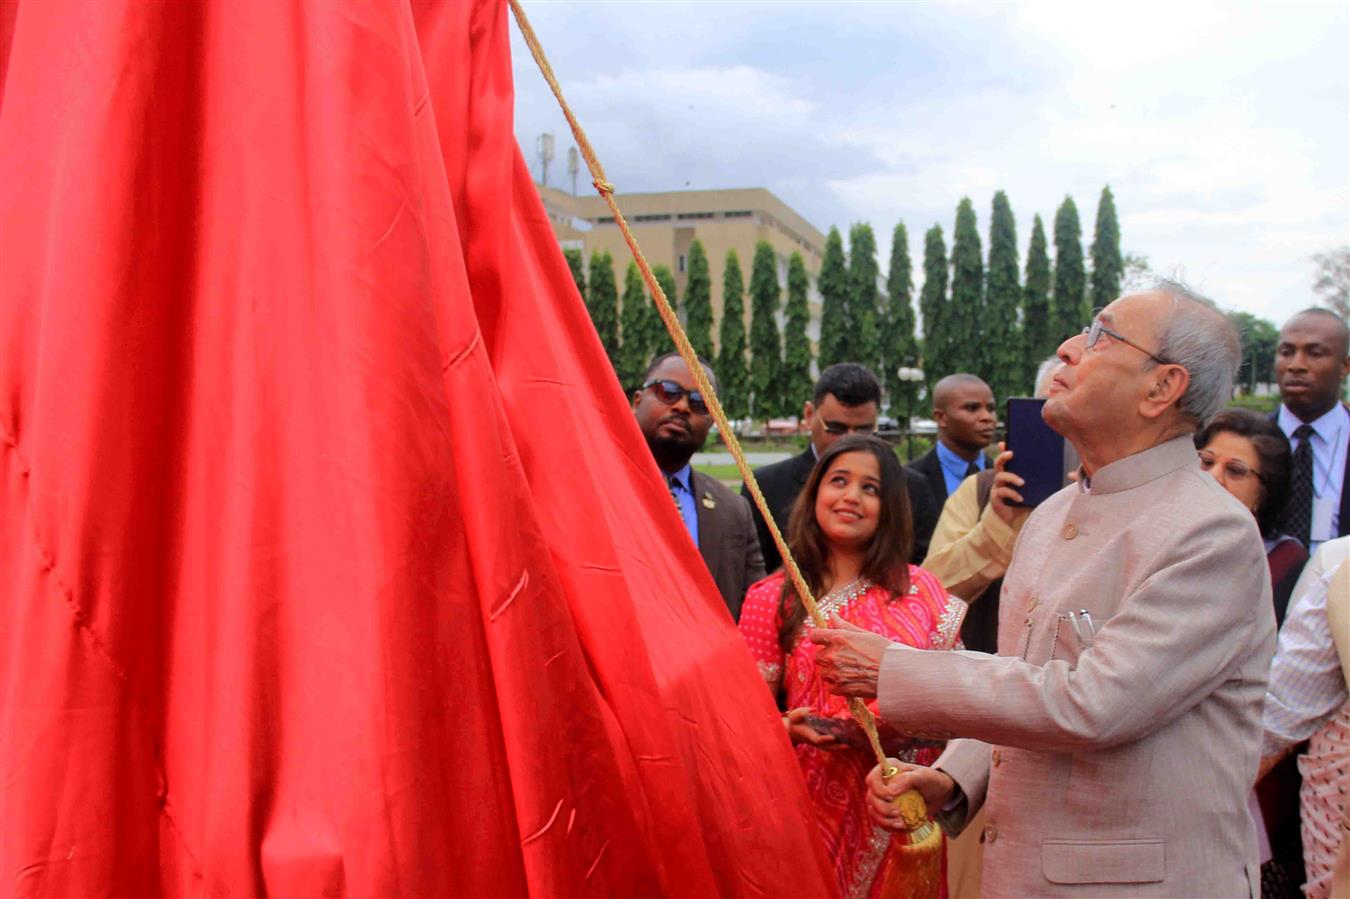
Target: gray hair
(1043, 371)
(1201, 340)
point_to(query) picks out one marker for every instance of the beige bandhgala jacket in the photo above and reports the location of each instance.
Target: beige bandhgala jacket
(1114, 763)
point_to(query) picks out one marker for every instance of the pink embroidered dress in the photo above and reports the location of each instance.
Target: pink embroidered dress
(925, 617)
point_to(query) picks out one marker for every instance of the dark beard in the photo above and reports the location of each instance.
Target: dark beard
(672, 455)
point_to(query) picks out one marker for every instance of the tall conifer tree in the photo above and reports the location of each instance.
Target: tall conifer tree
(602, 301)
(863, 274)
(577, 265)
(1068, 305)
(1107, 263)
(899, 347)
(1002, 295)
(732, 375)
(658, 338)
(1038, 340)
(834, 291)
(634, 323)
(698, 315)
(937, 361)
(766, 350)
(966, 321)
(797, 382)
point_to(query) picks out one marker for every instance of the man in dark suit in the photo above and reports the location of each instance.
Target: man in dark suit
(674, 419)
(963, 407)
(846, 400)
(1312, 359)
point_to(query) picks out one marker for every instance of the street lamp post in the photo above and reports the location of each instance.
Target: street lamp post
(909, 376)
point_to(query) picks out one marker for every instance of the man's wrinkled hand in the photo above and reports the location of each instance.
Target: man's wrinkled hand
(849, 658)
(936, 787)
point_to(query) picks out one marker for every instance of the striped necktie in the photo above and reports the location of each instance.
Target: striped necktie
(674, 485)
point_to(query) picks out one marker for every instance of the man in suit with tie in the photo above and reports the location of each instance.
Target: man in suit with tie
(1114, 739)
(675, 420)
(846, 400)
(963, 408)
(1312, 359)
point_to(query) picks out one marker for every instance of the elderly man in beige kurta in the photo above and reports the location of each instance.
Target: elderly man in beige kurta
(1114, 738)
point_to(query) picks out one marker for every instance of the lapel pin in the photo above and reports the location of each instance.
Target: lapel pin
(708, 502)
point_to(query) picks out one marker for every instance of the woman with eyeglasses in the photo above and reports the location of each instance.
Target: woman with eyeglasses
(850, 533)
(1249, 455)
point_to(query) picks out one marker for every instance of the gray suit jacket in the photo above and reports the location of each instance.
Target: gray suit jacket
(727, 540)
(1114, 765)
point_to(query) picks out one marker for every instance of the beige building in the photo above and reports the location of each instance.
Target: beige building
(665, 224)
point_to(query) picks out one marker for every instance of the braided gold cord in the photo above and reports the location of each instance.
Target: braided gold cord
(603, 186)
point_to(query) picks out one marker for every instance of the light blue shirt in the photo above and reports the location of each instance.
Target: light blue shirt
(954, 467)
(684, 498)
(1331, 436)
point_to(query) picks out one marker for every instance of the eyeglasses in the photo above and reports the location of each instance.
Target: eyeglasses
(1095, 331)
(669, 393)
(839, 429)
(1235, 469)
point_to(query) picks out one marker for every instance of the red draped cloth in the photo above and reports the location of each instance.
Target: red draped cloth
(331, 558)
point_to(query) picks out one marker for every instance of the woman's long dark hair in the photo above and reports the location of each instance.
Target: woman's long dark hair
(1272, 450)
(886, 561)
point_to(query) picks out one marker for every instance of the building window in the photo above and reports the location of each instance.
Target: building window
(738, 214)
(605, 220)
(682, 258)
(688, 216)
(652, 218)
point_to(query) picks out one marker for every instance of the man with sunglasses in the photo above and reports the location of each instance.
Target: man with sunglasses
(846, 400)
(1114, 739)
(675, 421)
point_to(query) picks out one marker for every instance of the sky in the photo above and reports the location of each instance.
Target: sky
(1223, 129)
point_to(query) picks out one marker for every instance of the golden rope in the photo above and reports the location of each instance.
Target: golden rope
(859, 709)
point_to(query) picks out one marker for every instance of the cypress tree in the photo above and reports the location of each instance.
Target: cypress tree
(698, 315)
(966, 321)
(1002, 295)
(898, 344)
(797, 381)
(602, 302)
(634, 323)
(577, 265)
(731, 371)
(766, 350)
(1107, 264)
(1038, 341)
(1068, 305)
(933, 307)
(658, 338)
(864, 335)
(834, 290)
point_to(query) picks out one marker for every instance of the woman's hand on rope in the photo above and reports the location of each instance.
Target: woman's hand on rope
(849, 659)
(799, 731)
(936, 787)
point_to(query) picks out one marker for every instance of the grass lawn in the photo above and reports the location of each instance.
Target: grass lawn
(723, 473)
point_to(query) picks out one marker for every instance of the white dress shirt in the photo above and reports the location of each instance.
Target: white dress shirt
(1330, 442)
(1306, 685)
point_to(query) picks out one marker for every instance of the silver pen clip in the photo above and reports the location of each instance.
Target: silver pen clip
(1091, 627)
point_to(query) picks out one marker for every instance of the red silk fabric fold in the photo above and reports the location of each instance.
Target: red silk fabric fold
(331, 559)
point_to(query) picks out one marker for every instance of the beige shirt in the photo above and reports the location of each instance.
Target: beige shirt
(1115, 763)
(971, 549)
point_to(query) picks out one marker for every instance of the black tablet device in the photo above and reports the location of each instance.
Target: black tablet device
(1038, 451)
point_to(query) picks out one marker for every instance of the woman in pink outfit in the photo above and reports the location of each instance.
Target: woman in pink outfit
(850, 532)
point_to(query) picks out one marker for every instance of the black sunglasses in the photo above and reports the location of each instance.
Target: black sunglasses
(669, 393)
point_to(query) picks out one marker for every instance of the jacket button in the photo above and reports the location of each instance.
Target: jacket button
(995, 757)
(1070, 531)
(990, 833)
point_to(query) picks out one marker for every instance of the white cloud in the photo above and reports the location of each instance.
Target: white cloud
(1222, 127)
